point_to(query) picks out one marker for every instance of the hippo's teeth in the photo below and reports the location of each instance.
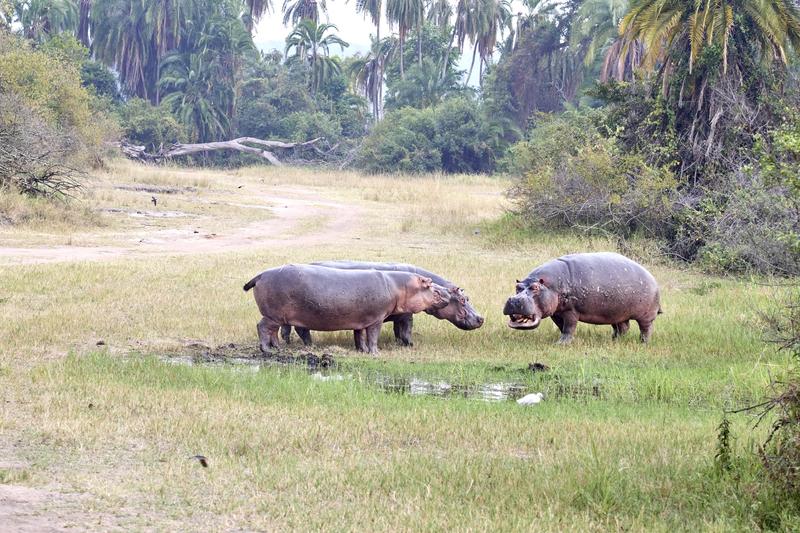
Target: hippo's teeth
(521, 320)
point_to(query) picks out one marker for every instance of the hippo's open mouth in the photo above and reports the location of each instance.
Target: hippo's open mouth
(523, 321)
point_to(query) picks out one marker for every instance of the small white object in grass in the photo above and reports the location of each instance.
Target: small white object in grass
(321, 377)
(531, 399)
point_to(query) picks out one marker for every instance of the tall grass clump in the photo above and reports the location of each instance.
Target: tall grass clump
(780, 453)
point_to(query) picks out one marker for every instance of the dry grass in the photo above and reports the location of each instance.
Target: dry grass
(289, 452)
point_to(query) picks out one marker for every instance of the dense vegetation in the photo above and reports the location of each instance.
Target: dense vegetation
(667, 119)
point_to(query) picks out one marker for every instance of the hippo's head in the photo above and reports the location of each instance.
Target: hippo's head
(422, 294)
(533, 302)
(459, 311)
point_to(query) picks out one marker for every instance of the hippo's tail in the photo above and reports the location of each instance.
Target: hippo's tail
(250, 284)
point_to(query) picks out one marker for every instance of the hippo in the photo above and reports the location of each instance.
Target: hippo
(459, 311)
(597, 288)
(330, 299)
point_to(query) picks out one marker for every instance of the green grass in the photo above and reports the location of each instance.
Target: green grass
(625, 438)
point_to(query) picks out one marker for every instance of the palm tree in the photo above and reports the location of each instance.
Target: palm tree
(226, 42)
(372, 8)
(664, 26)
(84, 21)
(596, 27)
(134, 36)
(482, 22)
(460, 30)
(311, 45)
(497, 18)
(677, 34)
(405, 13)
(367, 73)
(299, 10)
(193, 96)
(255, 9)
(41, 18)
(440, 12)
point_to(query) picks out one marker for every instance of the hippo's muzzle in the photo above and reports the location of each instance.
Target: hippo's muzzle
(472, 322)
(522, 313)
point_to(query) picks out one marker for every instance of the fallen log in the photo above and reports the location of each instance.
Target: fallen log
(242, 144)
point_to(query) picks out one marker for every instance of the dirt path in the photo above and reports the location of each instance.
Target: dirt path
(305, 219)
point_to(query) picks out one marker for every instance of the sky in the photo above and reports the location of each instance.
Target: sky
(353, 28)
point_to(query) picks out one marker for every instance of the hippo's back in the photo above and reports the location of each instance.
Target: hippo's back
(603, 283)
(386, 267)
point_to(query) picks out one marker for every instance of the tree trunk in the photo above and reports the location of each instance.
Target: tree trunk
(179, 149)
(447, 53)
(419, 34)
(474, 53)
(402, 43)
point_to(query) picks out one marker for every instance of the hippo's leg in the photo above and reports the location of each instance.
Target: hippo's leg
(286, 333)
(373, 332)
(646, 329)
(304, 334)
(620, 329)
(559, 322)
(570, 323)
(402, 329)
(267, 334)
(360, 338)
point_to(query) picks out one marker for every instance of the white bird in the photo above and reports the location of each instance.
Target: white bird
(531, 399)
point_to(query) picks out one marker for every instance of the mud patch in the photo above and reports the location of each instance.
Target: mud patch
(236, 355)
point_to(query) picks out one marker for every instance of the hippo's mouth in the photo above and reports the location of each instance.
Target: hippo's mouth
(523, 321)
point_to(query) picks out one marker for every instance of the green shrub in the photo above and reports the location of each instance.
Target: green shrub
(148, 125)
(50, 125)
(464, 137)
(100, 79)
(402, 142)
(51, 87)
(572, 173)
(303, 126)
(454, 136)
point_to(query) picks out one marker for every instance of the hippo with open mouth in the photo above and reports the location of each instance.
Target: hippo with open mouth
(458, 311)
(331, 299)
(596, 288)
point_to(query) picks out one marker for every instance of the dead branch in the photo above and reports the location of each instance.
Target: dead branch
(242, 144)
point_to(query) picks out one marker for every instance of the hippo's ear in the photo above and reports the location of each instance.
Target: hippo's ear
(425, 282)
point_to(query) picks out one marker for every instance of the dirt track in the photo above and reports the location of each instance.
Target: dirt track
(329, 221)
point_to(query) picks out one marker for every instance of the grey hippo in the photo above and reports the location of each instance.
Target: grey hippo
(458, 311)
(331, 299)
(596, 288)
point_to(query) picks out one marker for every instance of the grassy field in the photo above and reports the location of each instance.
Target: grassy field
(98, 409)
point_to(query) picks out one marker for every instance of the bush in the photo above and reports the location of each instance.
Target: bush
(100, 79)
(464, 138)
(573, 174)
(454, 136)
(780, 454)
(34, 158)
(148, 125)
(607, 170)
(51, 86)
(49, 123)
(402, 142)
